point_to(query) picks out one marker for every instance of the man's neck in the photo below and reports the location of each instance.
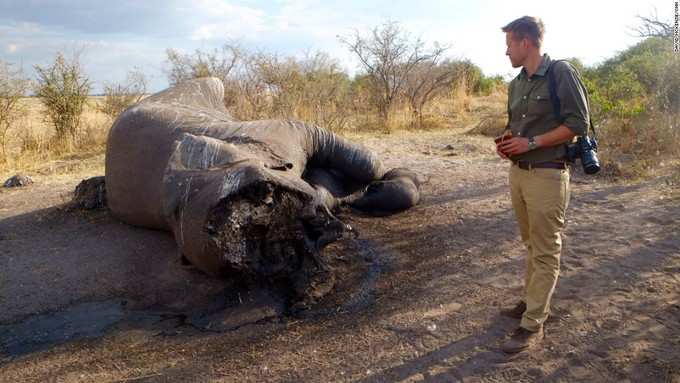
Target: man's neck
(532, 63)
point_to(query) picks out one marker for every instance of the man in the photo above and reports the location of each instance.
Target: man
(535, 141)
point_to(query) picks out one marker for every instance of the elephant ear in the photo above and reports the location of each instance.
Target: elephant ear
(201, 152)
(204, 152)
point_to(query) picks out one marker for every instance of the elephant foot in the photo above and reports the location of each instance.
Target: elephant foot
(90, 194)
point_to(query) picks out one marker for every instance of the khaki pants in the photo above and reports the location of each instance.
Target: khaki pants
(540, 198)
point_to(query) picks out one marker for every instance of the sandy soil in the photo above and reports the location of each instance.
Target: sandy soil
(86, 298)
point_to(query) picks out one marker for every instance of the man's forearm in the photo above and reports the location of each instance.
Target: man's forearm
(557, 136)
(519, 145)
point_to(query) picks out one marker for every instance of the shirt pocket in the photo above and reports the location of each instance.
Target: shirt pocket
(539, 104)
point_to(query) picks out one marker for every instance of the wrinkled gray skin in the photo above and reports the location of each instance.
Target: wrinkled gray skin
(240, 197)
(398, 190)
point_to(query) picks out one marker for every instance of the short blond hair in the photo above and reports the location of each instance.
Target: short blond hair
(528, 27)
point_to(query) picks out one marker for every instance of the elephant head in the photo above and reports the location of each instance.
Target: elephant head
(251, 198)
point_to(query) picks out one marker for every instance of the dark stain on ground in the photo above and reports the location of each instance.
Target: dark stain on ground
(82, 320)
(229, 310)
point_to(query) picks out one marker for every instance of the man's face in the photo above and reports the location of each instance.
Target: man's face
(517, 50)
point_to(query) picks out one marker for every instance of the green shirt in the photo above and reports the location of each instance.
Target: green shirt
(530, 111)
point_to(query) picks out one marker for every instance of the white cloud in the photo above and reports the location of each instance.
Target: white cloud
(128, 33)
(221, 20)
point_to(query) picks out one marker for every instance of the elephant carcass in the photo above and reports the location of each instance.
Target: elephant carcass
(231, 192)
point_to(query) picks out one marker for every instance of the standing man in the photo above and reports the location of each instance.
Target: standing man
(535, 141)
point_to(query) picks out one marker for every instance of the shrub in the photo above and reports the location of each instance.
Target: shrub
(668, 93)
(13, 86)
(635, 101)
(63, 89)
(117, 97)
(312, 88)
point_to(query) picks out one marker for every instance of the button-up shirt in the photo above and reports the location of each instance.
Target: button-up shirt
(530, 111)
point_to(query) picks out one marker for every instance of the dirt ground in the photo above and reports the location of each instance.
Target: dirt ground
(86, 298)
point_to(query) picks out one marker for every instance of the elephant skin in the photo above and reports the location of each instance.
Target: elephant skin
(240, 197)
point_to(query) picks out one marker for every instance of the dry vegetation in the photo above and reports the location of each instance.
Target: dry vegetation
(31, 146)
(405, 84)
(432, 312)
(32, 149)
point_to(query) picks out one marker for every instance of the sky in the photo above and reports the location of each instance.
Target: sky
(118, 36)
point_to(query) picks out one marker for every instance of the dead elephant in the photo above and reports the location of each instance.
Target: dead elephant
(240, 197)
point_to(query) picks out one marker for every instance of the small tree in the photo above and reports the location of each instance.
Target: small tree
(217, 63)
(13, 87)
(63, 89)
(311, 89)
(428, 80)
(326, 91)
(117, 97)
(220, 63)
(388, 56)
(245, 94)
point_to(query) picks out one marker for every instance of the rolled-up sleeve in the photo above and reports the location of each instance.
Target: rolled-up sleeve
(573, 101)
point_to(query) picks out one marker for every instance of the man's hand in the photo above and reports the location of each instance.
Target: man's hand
(514, 146)
(507, 134)
(500, 154)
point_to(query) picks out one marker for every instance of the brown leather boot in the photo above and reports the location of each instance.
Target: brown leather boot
(522, 339)
(515, 312)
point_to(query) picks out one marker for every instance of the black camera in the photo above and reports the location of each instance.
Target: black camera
(585, 148)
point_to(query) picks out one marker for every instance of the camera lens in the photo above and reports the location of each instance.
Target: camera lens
(590, 163)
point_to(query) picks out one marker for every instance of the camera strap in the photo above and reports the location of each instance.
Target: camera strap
(555, 100)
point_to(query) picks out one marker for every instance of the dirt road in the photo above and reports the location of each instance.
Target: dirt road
(86, 298)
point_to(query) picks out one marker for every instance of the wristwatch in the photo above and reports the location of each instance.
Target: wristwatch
(532, 144)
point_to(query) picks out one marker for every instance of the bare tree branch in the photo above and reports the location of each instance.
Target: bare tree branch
(388, 56)
(429, 79)
(652, 26)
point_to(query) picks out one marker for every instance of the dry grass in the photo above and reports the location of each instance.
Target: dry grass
(625, 152)
(457, 110)
(32, 147)
(638, 148)
(490, 114)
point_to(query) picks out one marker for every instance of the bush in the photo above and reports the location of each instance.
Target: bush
(668, 93)
(63, 89)
(217, 63)
(635, 102)
(117, 97)
(13, 86)
(618, 94)
(312, 89)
